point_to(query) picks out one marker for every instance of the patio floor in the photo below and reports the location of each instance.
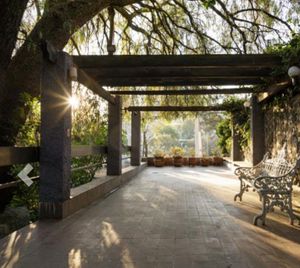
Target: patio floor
(167, 217)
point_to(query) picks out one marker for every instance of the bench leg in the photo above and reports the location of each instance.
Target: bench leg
(264, 211)
(289, 208)
(243, 188)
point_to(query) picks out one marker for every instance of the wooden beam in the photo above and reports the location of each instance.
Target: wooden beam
(179, 81)
(257, 123)
(90, 83)
(182, 71)
(55, 150)
(274, 89)
(135, 138)
(18, 155)
(185, 91)
(178, 108)
(83, 150)
(114, 146)
(216, 60)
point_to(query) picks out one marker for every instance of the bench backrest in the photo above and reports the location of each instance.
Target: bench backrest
(277, 166)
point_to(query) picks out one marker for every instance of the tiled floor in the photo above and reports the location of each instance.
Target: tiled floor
(167, 217)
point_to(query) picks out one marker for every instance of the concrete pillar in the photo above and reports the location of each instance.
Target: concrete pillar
(257, 131)
(55, 151)
(135, 138)
(114, 154)
(236, 150)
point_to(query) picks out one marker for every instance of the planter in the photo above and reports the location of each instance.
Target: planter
(178, 161)
(204, 161)
(169, 161)
(159, 161)
(185, 161)
(217, 161)
(150, 161)
(192, 161)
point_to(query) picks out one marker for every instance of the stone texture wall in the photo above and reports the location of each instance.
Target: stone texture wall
(282, 129)
(282, 126)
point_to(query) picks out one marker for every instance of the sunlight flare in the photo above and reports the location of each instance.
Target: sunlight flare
(73, 101)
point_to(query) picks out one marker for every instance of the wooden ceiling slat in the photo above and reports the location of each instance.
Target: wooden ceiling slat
(177, 60)
(178, 71)
(185, 91)
(178, 108)
(178, 81)
(90, 83)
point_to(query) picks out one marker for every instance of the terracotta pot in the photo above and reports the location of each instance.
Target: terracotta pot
(150, 161)
(159, 161)
(204, 161)
(218, 161)
(178, 161)
(169, 161)
(192, 161)
(185, 161)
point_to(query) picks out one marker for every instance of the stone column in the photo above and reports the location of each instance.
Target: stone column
(55, 151)
(257, 131)
(236, 150)
(135, 138)
(114, 153)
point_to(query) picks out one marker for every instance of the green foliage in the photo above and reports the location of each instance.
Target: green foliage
(242, 126)
(289, 52)
(82, 176)
(159, 153)
(224, 134)
(28, 197)
(89, 126)
(177, 151)
(24, 195)
(29, 132)
(208, 3)
(165, 134)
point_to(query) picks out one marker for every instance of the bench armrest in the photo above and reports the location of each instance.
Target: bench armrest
(248, 171)
(280, 184)
(240, 170)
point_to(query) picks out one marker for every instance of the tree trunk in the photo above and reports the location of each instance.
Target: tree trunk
(23, 73)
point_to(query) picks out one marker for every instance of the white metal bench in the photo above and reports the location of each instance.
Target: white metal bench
(273, 180)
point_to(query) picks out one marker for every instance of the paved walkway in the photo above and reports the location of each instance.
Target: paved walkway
(167, 217)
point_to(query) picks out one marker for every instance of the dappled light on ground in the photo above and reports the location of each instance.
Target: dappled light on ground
(168, 217)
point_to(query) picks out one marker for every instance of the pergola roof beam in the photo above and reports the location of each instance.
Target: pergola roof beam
(179, 81)
(185, 91)
(215, 60)
(90, 83)
(179, 108)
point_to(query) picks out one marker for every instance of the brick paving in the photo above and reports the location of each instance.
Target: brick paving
(165, 217)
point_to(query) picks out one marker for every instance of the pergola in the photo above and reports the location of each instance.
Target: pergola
(122, 71)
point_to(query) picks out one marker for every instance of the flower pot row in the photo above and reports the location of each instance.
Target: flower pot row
(179, 161)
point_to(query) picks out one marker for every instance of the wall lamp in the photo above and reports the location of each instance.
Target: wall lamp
(294, 74)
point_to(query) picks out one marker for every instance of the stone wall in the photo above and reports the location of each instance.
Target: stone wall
(282, 129)
(282, 126)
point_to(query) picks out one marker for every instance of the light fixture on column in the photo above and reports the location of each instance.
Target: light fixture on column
(294, 74)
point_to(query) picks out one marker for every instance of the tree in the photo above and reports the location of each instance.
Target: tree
(169, 27)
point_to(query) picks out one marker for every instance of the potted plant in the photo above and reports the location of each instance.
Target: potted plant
(159, 158)
(192, 158)
(177, 153)
(204, 161)
(168, 160)
(217, 161)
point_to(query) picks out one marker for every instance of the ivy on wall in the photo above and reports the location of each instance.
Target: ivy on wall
(242, 127)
